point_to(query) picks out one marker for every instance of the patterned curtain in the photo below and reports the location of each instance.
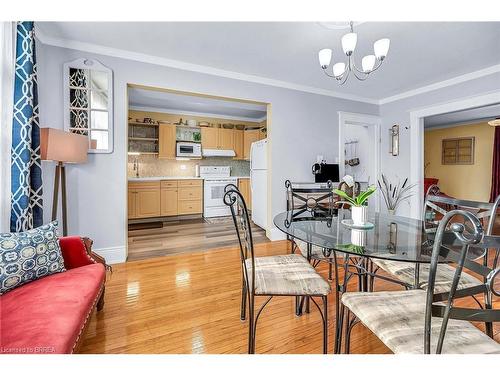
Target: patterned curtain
(26, 171)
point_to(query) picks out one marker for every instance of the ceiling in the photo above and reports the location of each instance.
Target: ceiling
(190, 104)
(468, 116)
(420, 53)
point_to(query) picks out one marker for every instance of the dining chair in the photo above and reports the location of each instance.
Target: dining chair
(421, 322)
(435, 207)
(270, 276)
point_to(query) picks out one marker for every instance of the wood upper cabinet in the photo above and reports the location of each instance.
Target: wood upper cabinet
(167, 139)
(226, 139)
(209, 137)
(249, 136)
(238, 143)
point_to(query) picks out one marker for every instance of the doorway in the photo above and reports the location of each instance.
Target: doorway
(359, 149)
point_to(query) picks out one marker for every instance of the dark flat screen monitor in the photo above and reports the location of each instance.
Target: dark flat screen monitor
(328, 172)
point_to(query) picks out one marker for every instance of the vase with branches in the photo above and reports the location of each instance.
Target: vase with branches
(395, 194)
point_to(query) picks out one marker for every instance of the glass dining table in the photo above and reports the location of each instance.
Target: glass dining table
(353, 249)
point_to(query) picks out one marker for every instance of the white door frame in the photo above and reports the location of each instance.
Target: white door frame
(351, 118)
(417, 139)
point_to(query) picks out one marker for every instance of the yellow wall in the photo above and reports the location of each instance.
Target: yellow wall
(471, 182)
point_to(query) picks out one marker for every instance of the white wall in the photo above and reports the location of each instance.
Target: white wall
(398, 112)
(303, 126)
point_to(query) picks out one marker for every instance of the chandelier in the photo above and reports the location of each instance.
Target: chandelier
(341, 71)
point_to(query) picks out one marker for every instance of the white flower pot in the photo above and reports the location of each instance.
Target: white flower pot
(359, 215)
(358, 237)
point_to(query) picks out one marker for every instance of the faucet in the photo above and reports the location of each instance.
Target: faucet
(136, 166)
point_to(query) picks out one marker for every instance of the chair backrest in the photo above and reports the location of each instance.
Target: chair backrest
(436, 206)
(241, 220)
(469, 232)
(305, 196)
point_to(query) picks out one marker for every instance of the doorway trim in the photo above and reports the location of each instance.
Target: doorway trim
(352, 118)
(417, 138)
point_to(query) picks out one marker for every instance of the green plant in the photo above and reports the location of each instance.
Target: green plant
(355, 201)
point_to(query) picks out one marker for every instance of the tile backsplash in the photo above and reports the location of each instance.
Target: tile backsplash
(151, 166)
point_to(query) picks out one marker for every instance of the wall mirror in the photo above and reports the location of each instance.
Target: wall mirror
(88, 103)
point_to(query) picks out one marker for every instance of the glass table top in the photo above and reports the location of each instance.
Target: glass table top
(392, 237)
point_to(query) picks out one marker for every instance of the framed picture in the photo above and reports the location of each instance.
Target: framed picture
(456, 151)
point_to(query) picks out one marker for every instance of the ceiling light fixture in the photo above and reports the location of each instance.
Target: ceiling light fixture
(341, 71)
(495, 122)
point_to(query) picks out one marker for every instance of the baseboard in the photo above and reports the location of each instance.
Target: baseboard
(112, 255)
(275, 234)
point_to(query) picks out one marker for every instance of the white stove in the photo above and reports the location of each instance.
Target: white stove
(215, 179)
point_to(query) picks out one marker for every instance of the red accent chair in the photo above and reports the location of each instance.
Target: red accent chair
(50, 315)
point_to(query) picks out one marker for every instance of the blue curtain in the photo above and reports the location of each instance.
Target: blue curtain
(26, 171)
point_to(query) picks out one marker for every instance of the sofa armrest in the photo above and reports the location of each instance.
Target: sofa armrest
(76, 252)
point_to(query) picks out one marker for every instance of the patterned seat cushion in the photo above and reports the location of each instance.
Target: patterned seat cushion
(405, 272)
(289, 275)
(397, 319)
(28, 256)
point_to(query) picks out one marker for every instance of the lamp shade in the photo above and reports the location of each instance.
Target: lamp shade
(58, 145)
(325, 56)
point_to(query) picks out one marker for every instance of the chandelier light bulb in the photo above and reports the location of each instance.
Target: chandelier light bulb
(381, 48)
(338, 69)
(367, 63)
(349, 43)
(325, 56)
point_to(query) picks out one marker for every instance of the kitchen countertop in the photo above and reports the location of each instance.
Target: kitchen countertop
(160, 178)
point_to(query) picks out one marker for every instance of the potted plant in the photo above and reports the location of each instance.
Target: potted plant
(395, 194)
(359, 208)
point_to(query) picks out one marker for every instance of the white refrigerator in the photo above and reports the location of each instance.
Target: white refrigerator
(258, 182)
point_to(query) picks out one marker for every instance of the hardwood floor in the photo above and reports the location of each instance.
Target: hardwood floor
(189, 303)
(183, 236)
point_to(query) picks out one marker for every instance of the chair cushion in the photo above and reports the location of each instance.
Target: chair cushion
(405, 272)
(287, 275)
(397, 319)
(28, 256)
(47, 315)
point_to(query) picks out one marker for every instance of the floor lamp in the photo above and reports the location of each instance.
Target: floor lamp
(62, 147)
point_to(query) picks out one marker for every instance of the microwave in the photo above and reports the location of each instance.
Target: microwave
(188, 150)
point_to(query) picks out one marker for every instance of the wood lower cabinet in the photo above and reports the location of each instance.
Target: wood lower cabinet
(164, 198)
(245, 190)
(168, 199)
(144, 199)
(249, 136)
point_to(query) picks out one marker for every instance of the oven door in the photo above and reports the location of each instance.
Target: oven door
(214, 193)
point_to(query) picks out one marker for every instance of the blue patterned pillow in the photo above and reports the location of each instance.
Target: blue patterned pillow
(28, 256)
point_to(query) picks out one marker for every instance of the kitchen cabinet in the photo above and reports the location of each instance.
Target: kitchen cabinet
(249, 136)
(144, 199)
(132, 203)
(190, 199)
(226, 139)
(168, 199)
(238, 144)
(167, 142)
(165, 198)
(245, 190)
(217, 138)
(209, 138)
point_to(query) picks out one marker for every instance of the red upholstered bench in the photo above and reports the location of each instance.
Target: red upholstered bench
(50, 315)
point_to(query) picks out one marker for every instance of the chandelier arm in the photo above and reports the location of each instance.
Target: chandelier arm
(329, 75)
(343, 80)
(361, 78)
(379, 64)
(356, 68)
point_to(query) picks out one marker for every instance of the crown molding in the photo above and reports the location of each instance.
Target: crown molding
(177, 64)
(442, 84)
(191, 113)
